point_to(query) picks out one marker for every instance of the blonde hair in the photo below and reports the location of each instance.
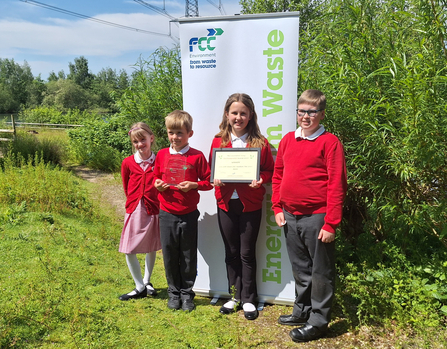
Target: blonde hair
(255, 139)
(178, 119)
(313, 97)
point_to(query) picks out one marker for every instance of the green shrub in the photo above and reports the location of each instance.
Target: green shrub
(52, 115)
(101, 144)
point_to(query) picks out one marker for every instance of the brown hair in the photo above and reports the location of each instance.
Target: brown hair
(137, 131)
(255, 138)
(313, 97)
(178, 119)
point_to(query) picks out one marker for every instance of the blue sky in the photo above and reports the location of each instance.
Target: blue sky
(49, 40)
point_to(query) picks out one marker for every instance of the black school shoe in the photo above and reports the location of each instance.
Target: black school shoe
(306, 333)
(291, 320)
(174, 303)
(188, 305)
(150, 291)
(137, 295)
(251, 315)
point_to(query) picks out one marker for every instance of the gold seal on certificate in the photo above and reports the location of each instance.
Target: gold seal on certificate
(175, 169)
(236, 165)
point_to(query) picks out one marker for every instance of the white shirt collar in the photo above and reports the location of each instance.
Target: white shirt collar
(313, 136)
(243, 138)
(239, 142)
(181, 152)
(139, 160)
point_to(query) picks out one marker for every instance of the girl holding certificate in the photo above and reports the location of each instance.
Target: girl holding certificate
(240, 204)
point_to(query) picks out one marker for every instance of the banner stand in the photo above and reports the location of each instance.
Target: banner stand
(258, 55)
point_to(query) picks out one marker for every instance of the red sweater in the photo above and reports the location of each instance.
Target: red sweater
(310, 177)
(250, 197)
(173, 200)
(139, 184)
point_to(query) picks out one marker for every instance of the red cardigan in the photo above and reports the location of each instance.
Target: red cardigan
(310, 177)
(173, 200)
(250, 197)
(139, 184)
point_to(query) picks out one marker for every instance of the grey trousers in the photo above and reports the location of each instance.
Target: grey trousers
(178, 235)
(313, 266)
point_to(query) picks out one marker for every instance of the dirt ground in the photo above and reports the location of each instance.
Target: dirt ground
(111, 189)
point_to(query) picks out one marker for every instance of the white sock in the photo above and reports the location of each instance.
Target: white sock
(230, 304)
(148, 267)
(249, 307)
(135, 270)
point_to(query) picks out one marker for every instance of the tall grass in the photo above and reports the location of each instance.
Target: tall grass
(42, 186)
(51, 149)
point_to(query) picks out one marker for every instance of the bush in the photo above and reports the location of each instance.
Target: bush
(101, 144)
(52, 115)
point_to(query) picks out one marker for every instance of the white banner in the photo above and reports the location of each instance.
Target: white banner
(257, 55)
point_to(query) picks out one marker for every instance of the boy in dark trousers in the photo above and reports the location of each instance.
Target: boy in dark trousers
(309, 186)
(180, 171)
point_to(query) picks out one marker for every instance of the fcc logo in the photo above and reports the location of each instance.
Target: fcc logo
(206, 42)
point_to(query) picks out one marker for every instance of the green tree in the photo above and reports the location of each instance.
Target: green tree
(79, 72)
(66, 94)
(36, 91)
(15, 80)
(308, 9)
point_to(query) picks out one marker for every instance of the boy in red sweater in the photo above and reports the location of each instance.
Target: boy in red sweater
(180, 171)
(309, 185)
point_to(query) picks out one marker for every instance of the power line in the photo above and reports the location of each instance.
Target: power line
(219, 7)
(71, 13)
(159, 10)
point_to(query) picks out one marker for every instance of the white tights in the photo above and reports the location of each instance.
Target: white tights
(135, 269)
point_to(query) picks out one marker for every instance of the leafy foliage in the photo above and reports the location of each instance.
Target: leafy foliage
(52, 115)
(156, 91)
(382, 66)
(101, 144)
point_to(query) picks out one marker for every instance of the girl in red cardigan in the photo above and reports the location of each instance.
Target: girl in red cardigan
(240, 204)
(141, 233)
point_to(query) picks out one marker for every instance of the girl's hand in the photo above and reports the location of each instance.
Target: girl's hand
(217, 183)
(160, 185)
(256, 184)
(187, 186)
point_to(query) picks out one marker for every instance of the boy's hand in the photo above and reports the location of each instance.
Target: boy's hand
(326, 236)
(256, 184)
(217, 183)
(280, 220)
(187, 186)
(160, 185)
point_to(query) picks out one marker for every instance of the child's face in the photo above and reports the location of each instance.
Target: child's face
(179, 138)
(143, 145)
(309, 124)
(238, 116)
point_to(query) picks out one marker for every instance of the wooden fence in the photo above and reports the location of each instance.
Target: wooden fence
(12, 130)
(14, 124)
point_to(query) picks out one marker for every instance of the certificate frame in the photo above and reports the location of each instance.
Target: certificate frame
(236, 165)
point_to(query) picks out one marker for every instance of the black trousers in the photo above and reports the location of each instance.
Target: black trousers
(313, 266)
(239, 233)
(178, 235)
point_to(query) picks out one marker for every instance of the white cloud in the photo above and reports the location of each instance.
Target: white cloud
(59, 37)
